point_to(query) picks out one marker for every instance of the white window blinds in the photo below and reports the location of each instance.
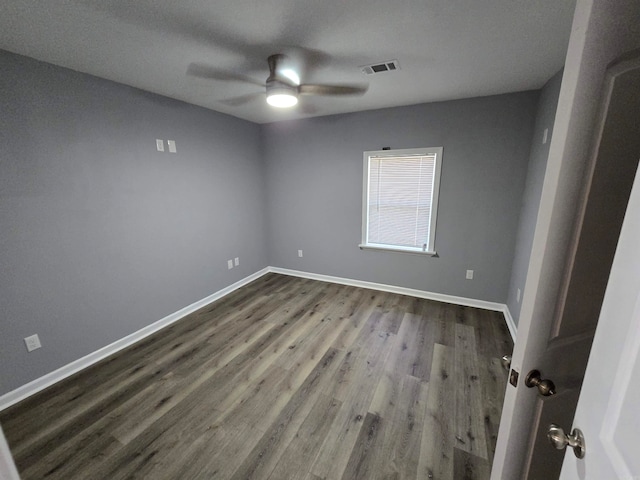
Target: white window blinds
(401, 199)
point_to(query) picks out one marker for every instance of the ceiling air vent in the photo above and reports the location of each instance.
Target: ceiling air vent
(389, 66)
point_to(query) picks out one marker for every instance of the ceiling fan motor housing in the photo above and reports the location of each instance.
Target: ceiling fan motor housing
(276, 87)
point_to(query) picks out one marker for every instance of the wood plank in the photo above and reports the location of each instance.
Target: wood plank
(358, 466)
(363, 364)
(220, 462)
(70, 462)
(469, 418)
(247, 370)
(322, 329)
(164, 441)
(385, 397)
(470, 467)
(159, 456)
(412, 352)
(146, 407)
(447, 332)
(436, 447)
(354, 384)
(389, 312)
(502, 341)
(371, 300)
(263, 458)
(303, 448)
(492, 335)
(258, 357)
(400, 401)
(294, 306)
(493, 379)
(204, 441)
(262, 400)
(403, 440)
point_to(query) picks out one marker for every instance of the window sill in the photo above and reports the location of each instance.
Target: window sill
(397, 249)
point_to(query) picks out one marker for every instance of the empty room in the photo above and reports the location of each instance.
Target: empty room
(295, 239)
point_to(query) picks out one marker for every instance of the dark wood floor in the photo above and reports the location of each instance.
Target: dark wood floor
(285, 378)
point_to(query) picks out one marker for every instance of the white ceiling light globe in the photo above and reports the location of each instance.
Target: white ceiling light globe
(282, 100)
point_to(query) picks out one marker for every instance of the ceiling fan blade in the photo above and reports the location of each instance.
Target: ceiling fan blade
(311, 89)
(201, 70)
(242, 99)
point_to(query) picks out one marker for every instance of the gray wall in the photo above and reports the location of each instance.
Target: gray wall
(314, 192)
(545, 118)
(100, 234)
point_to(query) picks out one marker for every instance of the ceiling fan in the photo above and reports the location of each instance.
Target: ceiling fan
(282, 87)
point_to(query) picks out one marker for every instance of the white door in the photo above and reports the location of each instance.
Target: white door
(609, 405)
(581, 212)
(8, 469)
(607, 198)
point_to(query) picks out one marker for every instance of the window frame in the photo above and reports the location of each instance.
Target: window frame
(408, 152)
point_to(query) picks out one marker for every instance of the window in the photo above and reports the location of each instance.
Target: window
(400, 199)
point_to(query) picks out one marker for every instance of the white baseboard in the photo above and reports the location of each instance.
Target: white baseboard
(511, 325)
(61, 373)
(440, 297)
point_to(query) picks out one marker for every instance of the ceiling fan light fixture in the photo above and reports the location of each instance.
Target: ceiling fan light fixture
(282, 100)
(281, 95)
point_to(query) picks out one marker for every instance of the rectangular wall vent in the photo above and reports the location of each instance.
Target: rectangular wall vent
(389, 66)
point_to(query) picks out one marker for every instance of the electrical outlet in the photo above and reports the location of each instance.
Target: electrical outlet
(300, 253)
(160, 145)
(172, 146)
(469, 274)
(236, 261)
(229, 264)
(518, 296)
(32, 342)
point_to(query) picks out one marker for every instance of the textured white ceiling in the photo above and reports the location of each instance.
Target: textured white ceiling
(447, 49)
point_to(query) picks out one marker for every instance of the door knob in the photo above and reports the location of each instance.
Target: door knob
(506, 362)
(560, 440)
(546, 388)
